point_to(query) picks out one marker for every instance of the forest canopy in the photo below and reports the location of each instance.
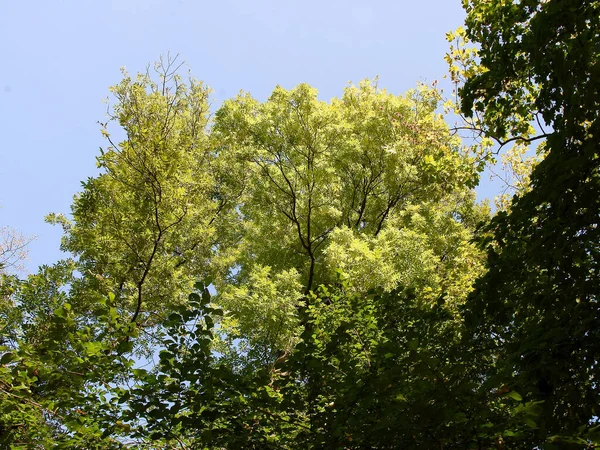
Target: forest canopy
(300, 273)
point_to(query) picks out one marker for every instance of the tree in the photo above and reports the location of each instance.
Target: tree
(145, 228)
(369, 194)
(13, 253)
(537, 304)
(378, 370)
(53, 385)
(350, 185)
(268, 202)
(371, 183)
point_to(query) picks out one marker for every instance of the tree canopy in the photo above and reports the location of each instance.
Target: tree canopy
(299, 273)
(537, 303)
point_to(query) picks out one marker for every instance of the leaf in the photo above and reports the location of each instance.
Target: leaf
(514, 395)
(60, 312)
(530, 422)
(7, 358)
(93, 348)
(140, 373)
(413, 344)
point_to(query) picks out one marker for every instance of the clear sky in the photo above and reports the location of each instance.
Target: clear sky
(61, 56)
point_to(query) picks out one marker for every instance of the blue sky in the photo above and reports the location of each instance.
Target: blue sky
(61, 56)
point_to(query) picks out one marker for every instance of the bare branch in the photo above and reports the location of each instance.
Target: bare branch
(13, 249)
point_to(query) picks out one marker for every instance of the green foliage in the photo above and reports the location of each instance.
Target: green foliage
(371, 370)
(191, 397)
(385, 370)
(53, 388)
(312, 167)
(262, 316)
(371, 182)
(537, 304)
(153, 211)
(338, 237)
(269, 201)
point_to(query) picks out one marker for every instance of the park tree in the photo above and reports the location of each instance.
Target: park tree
(536, 307)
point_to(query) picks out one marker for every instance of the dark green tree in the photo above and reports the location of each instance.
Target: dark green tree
(537, 307)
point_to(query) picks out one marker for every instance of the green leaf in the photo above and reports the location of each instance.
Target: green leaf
(514, 395)
(7, 358)
(93, 348)
(413, 344)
